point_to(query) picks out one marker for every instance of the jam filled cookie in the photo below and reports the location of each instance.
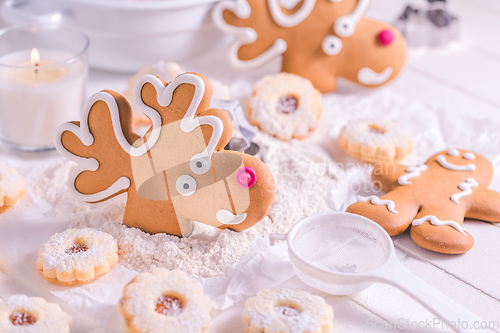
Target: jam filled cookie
(287, 310)
(25, 314)
(373, 141)
(285, 105)
(164, 301)
(77, 256)
(12, 187)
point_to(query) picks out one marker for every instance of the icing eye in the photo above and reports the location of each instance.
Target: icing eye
(453, 152)
(332, 45)
(200, 165)
(469, 156)
(344, 27)
(186, 185)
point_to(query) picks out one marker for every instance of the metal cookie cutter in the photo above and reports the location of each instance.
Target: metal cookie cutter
(428, 23)
(243, 132)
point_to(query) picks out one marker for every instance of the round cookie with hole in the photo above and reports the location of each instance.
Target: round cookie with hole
(285, 105)
(164, 301)
(287, 310)
(20, 313)
(375, 141)
(77, 256)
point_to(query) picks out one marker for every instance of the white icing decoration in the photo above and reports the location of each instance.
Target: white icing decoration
(374, 200)
(453, 167)
(243, 35)
(345, 25)
(84, 135)
(183, 182)
(335, 0)
(289, 4)
(466, 188)
(332, 45)
(369, 77)
(435, 221)
(226, 217)
(469, 156)
(190, 122)
(289, 21)
(412, 173)
(453, 152)
(164, 97)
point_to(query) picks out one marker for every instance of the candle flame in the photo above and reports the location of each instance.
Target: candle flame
(35, 57)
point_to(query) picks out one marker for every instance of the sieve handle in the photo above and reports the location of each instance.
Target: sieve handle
(444, 308)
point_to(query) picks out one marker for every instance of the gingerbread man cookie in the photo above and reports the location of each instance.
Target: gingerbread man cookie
(434, 198)
(178, 172)
(318, 39)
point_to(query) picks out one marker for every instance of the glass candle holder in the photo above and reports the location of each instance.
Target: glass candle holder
(43, 78)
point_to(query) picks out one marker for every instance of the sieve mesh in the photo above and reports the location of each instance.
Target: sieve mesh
(340, 249)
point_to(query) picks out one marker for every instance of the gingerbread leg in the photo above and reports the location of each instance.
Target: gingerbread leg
(441, 233)
(393, 211)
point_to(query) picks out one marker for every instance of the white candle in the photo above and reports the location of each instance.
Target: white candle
(35, 100)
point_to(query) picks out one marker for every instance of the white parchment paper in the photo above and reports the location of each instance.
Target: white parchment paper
(26, 227)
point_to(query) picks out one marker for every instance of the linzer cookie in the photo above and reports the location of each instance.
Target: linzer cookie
(285, 105)
(317, 39)
(375, 141)
(12, 187)
(178, 172)
(20, 313)
(434, 198)
(287, 310)
(77, 256)
(164, 301)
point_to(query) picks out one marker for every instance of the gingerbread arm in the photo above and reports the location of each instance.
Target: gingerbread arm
(101, 144)
(250, 22)
(483, 204)
(385, 176)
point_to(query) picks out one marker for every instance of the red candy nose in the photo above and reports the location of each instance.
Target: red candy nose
(385, 37)
(246, 177)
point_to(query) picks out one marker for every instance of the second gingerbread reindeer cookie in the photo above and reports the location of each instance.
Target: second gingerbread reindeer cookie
(434, 198)
(318, 39)
(178, 172)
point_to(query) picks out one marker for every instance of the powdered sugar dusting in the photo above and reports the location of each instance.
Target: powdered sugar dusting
(303, 174)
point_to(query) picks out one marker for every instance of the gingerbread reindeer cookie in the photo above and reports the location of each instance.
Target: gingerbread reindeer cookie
(318, 39)
(178, 172)
(434, 198)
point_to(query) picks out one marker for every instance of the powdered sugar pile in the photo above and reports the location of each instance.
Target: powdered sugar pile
(303, 173)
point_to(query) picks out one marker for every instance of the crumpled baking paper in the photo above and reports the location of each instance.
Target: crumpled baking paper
(26, 228)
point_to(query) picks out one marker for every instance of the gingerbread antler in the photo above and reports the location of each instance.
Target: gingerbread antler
(100, 175)
(319, 40)
(176, 174)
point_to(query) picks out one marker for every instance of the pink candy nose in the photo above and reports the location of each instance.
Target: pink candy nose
(246, 177)
(385, 37)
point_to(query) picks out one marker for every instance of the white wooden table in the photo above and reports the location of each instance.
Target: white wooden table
(464, 78)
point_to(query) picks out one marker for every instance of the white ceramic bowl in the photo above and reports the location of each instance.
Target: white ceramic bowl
(126, 35)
